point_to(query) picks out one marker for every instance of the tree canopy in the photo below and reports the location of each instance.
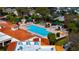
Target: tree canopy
(52, 38)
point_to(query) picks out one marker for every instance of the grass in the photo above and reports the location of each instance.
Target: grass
(3, 48)
(62, 41)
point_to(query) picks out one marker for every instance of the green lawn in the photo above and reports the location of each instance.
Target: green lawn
(3, 48)
(62, 41)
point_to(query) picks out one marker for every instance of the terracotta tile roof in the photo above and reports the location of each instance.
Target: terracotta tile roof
(44, 41)
(59, 48)
(18, 34)
(11, 46)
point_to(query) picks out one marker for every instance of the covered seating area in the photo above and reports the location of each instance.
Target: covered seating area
(4, 39)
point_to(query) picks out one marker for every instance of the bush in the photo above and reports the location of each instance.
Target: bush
(73, 27)
(35, 16)
(52, 38)
(18, 20)
(11, 18)
(62, 41)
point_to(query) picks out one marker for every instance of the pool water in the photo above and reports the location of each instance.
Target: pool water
(38, 30)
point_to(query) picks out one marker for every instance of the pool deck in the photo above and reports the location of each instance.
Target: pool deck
(50, 29)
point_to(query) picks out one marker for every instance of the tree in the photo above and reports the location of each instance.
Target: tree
(73, 27)
(12, 18)
(74, 39)
(35, 16)
(52, 38)
(44, 11)
(23, 10)
(18, 20)
(1, 12)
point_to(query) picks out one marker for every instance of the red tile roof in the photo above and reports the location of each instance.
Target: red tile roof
(59, 48)
(44, 41)
(18, 34)
(11, 46)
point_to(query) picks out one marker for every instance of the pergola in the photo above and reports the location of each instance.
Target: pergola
(4, 38)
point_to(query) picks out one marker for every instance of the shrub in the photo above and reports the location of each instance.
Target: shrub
(62, 41)
(52, 38)
(11, 18)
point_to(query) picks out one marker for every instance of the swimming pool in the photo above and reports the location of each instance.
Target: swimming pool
(38, 30)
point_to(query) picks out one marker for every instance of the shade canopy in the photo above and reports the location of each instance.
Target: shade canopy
(4, 37)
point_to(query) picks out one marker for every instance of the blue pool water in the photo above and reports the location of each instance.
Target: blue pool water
(38, 30)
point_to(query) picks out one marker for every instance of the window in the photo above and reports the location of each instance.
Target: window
(27, 43)
(20, 43)
(36, 43)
